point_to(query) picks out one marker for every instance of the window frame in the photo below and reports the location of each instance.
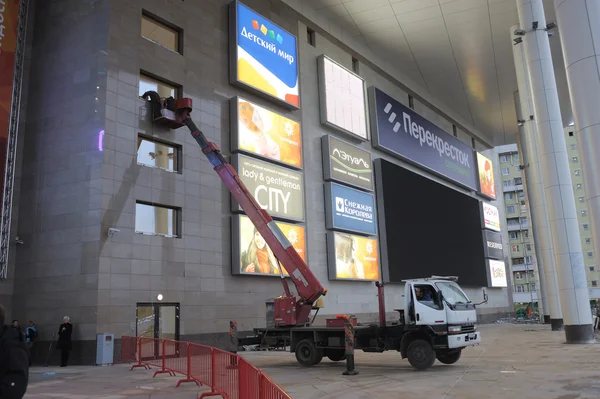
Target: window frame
(177, 149)
(169, 25)
(178, 220)
(503, 158)
(178, 88)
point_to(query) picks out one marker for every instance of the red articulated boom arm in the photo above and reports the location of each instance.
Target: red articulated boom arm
(289, 311)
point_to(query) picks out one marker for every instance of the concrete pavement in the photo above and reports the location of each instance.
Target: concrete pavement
(514, 361)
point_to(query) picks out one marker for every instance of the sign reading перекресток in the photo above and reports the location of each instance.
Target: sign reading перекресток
(401, 131)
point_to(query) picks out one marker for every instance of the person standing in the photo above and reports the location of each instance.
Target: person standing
(30, 336)
(14, 361)
(64, 341)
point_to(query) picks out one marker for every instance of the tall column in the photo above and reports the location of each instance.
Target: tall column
(556, 176)
(578, 23)
(539, 219)
(535, 189)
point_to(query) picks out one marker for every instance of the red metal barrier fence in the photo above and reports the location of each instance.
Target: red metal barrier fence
(228, 375)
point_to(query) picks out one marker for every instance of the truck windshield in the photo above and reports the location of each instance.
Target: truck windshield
(452, 293)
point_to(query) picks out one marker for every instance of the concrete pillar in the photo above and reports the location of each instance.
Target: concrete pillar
(535, 189)
(556, 176)
(540, 228)
(579, 28)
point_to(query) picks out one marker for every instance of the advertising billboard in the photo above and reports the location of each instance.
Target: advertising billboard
(485, 167)
(497, 273)
(277, 189)
(267, 134)
(264, 56)
(492, 245)
(351, 257)
(402, 132)
(342, 98)
(349, 209)
(490, 217)
(250, 253)
(345, 163)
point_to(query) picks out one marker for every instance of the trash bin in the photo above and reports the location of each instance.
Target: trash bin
(105, 348)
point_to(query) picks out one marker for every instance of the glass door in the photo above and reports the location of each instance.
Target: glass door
(157, 320)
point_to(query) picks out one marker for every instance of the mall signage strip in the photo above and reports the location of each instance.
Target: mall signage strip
(263, 57)
(346, 163)
(492, 245)
(400, 131)
(493, 248)
(350, 210)
(342, 99)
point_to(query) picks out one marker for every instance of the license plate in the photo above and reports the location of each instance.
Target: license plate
(472, 337)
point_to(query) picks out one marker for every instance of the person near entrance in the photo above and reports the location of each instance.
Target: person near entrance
(64, 340)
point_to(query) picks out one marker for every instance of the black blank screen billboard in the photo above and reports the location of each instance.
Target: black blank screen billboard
(429, 229)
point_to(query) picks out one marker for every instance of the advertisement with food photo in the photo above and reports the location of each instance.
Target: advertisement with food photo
(255, 255)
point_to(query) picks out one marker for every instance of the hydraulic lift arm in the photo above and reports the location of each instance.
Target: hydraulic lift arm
(289, 310)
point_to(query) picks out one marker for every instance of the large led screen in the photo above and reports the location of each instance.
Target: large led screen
(252, 255)
(278, 190)
(264, 56)
(352, 257)
(487, 187)
(267, 134)
(343, 102)
(426, 228)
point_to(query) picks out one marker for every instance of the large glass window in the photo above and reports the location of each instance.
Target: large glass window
(156, 220)
(161, 33)
(158, 154)
(164, 89)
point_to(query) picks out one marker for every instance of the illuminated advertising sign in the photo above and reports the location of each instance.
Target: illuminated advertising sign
(265, 133)
(278, 190)
(486, 177)
(343, 102)
(490, 217)
(345, 163)
(352, 257)
(251, 255)
(264, 57)
(497, 273)
(349, 209)
(400, 131)
(492, 245)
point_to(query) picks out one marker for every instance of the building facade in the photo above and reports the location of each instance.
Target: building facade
(122, 224)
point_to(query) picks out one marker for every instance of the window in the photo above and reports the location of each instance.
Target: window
(577, 172)
(156, 220)
(513, 235)
(588, 240)
(510, 209)
(518, 261)
(161, 32)
(570, 134)
(311, 37)
(526, 233)
(531, 274)
(518, 276)
(355, 65)
(518, 181)
(579, 186)
(508, 196)
(507, 183)
(523, 219)
(517, 157)
(520, 288)
(590, 255)
(594, 283)
(575, 159)
(521, 195)
(503, 158)
(529, 259)
(505, 171)
(532, 286)
(573, 146)
(586, 226)
(411, 104)
(515, 248)
(581, 199)
(529, 247)
(157, 154)
(584, 213)
(164, 89)
(592, 268)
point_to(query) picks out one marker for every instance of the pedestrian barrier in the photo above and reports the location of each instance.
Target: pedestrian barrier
(226, 374)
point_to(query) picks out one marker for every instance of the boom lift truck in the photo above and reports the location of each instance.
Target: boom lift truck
(438, 324)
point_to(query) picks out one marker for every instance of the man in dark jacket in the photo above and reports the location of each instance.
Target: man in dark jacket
(64, 341)
(14, 361)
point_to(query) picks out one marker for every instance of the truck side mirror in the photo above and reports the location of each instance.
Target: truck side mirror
(485, 298)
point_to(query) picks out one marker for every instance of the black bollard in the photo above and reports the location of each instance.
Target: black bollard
(233, 343)
(349, 333)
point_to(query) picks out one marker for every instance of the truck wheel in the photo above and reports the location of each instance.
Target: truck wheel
(449, 358)
(307, 353)
(336, 355)
(420, 354)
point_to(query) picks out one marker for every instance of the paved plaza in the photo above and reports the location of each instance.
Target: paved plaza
(514, 361)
